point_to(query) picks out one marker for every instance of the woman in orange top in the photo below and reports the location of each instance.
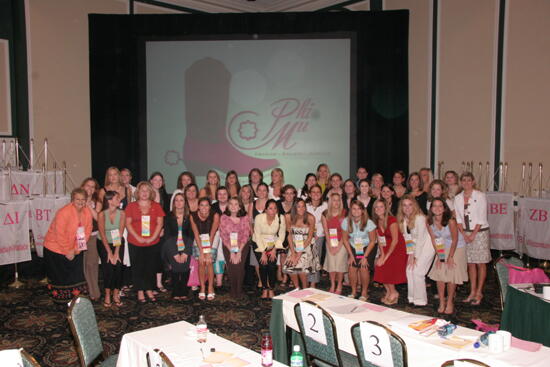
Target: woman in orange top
(63, 246)
(144, 221)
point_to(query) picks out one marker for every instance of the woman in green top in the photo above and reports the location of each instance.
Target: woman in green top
(111, 246)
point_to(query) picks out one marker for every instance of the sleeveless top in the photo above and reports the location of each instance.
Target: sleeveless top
(336, 222)
(255, 211)
(109, 226)
(445, 234)
(204, 226)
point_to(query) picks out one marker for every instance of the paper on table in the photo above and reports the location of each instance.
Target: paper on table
(318, 297)
(235, 362)
(346, 309)
(457, 342)
(218, 357)
(525, 345)
(373, 307)
(301, 293)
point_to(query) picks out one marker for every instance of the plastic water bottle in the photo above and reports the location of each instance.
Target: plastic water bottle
(483, 340)
(446, 330)
(296, 358)
(267, 350)
(202, 330)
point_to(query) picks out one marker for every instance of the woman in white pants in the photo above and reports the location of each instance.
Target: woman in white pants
(420, 250)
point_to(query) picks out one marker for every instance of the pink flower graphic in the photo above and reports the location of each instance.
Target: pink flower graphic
(248, 130)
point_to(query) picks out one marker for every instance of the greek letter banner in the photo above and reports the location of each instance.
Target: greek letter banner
(42, 211)
(500, 214)
(534, 228)
(17, 184)
(14, 238)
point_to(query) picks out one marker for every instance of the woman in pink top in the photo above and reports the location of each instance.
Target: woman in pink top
(336, 260)
(235, 232)
(63, 246)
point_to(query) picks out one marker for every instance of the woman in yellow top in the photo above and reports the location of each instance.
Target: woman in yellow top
(269, 234)
(63, 245)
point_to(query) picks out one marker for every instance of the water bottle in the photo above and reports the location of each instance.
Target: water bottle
(202, 330)
(267, 350)
(296, 358)
(483, 340)
(446, 330)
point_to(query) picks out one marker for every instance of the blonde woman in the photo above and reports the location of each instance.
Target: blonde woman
(377, 181)
(323, 176)
(277, 183)
(336, 257)
(471, 215)
(113, 182)
(359, 235)
(211, 186)
(420, 250)
(439, 189)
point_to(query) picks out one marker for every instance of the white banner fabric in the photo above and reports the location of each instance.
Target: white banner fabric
(500, 214)
(41, 213)
(534, 228)
(14, 237)
(15, 184)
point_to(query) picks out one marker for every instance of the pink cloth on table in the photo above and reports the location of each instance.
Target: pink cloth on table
(373, 307)
(301, 293)
(525, 345)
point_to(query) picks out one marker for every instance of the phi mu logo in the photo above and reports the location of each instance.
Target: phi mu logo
(538, 215)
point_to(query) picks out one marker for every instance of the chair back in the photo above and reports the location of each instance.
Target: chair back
(397, 345)
(164, 360)
(313, 350)
(472, 361)
(503, 275)
(83, 325)
(28, 360)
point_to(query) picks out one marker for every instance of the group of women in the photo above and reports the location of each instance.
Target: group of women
(412, 228)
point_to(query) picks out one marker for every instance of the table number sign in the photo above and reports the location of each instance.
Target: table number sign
(333, 235)
(155, 359)
(145, 226)
(205, 243)
(376, 344)
(312, 318)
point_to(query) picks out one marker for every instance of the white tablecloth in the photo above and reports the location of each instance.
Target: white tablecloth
(179, 344)
(422, 351)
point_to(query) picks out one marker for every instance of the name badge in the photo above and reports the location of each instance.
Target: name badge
(179, 241)
(234, 239)
(145, 226)
(298, 243)
(333, 236)
(382, 241)
(81, 239)
(440, 248)
(358, 245)
(115, 236)
(409, 243)
(269, 242)
(205, 243)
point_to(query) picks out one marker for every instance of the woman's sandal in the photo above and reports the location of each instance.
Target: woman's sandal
(107, 304)
(202, 296)
(119, 303)
(211, 296)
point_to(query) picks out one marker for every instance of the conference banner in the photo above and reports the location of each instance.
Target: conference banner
(41, 213)
(243, 104)
(534, 228)
(14, 238)
(500, 214)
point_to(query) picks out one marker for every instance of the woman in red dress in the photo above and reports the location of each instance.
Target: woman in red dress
(391, 263)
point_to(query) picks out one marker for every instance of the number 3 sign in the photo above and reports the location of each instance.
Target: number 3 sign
(376, 345)
(312, 318)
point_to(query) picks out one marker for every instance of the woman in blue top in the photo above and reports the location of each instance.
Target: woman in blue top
(358, 234)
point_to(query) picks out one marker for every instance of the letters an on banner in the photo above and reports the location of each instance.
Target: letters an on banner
(534, 227)
(500, 214)
(41, 212)
(14, 238)
(15, 185)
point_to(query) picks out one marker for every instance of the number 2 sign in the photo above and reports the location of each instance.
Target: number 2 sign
(376, 344)
(312, 318)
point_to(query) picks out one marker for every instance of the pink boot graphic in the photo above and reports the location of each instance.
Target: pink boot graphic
(206, 145)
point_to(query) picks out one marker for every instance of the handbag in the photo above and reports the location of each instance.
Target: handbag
(519, 275)
(193, 273)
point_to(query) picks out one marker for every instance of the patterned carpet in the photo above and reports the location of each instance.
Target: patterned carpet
(30, 320)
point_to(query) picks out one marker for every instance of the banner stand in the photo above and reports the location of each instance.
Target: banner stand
(16, 283)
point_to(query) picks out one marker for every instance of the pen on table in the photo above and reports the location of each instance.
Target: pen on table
(353, 309)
